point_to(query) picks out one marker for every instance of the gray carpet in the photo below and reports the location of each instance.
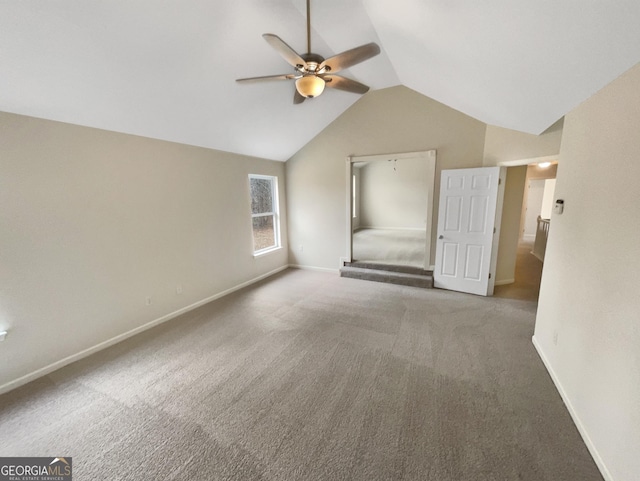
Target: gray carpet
(390, 246)
(311, 376)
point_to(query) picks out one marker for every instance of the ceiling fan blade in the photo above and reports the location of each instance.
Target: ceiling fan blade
(350, 57)
(283, 49)
(287, 76)
(297, 98)
(342, 83)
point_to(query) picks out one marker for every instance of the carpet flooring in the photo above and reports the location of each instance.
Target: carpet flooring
(309, 376)
(528, 275)
(390, 246)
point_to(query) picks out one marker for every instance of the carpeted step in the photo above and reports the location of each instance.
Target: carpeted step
(390, 277)
(389, 267)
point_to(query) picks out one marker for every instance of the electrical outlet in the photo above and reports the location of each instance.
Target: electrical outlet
(555, 338)
(148, 301)
(179, 289)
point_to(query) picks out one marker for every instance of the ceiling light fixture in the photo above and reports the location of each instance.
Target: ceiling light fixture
(544, 165)
(312, 72)
(310, 86)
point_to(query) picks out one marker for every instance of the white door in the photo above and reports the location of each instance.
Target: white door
(468, 233)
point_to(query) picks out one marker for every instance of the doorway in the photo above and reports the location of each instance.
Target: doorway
(390, 208)
(529, 189)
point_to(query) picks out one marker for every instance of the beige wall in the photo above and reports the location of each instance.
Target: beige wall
(510, 225)
(394, 194)
(588, 322)
(507, 145)
(93, 222)
(384, 121)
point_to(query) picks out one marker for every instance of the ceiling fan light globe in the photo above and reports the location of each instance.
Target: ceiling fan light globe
(310, 86)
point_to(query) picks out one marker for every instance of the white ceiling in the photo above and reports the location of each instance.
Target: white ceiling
(166, 69)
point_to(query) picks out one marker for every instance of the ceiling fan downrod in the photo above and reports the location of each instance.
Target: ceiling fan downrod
(308, 26)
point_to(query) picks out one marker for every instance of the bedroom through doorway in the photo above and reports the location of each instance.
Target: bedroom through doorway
(391, 203)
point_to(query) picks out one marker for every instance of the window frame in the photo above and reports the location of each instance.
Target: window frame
(274, 213)
(354, 206)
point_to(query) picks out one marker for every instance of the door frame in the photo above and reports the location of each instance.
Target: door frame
(430, 158)
(517, 163)
(527, 161)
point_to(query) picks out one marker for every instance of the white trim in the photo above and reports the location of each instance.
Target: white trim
(495, 244)
(401, 155)
(350, 208)
(266, 251)
(313, 268)
(537, 256)
(504, 282)
(574, 415)
(420, 229)
(430, 206)
(533, 160)
(121, 337)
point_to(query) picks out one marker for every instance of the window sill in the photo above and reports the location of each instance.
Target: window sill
(266, 251)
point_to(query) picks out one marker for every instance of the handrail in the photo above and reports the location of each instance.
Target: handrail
(542, 234)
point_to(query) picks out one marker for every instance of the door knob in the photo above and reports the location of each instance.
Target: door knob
(441, 237)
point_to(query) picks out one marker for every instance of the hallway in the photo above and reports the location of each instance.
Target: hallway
(528, 275)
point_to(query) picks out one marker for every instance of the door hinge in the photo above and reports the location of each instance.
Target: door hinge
(499, 181)
(494, 230)
(489, 275)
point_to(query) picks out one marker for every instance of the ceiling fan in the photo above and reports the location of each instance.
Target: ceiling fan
(312, 72)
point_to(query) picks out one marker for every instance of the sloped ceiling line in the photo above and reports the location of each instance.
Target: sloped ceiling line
(167, 70)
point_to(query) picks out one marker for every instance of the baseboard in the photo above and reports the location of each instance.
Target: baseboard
(313, 268)
(537, 256)
(504, 282)
(576, 419)
(121, 337)
(421, 229)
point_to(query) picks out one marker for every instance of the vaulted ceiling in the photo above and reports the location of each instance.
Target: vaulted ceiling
(167, 69)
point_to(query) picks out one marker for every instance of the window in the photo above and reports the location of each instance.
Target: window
(264, 213)
(353, 197)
